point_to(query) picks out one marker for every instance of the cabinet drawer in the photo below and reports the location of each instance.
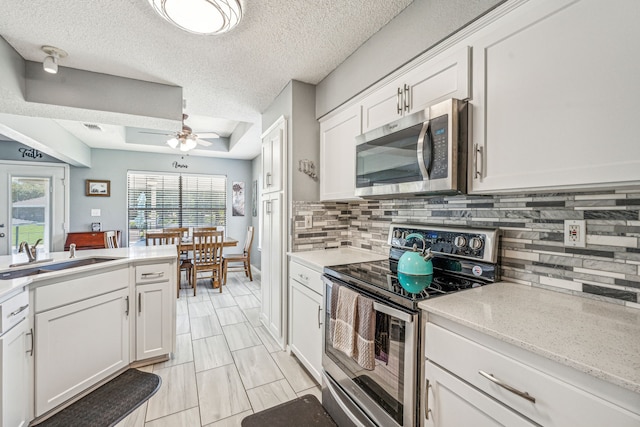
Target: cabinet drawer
(306, 276)
(153, 273)
(557, 403)
(14, 310)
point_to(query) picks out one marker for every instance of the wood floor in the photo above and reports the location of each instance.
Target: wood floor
(226, 365)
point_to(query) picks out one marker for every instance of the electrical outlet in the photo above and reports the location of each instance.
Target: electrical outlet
(308, 221)
(575, 233)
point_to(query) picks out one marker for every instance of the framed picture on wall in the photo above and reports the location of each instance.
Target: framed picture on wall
(97, 187)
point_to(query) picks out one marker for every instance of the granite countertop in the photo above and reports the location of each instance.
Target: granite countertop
(120, 255)
(317, 260)
(595, 337)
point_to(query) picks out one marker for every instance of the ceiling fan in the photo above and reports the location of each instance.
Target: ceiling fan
(186, 139)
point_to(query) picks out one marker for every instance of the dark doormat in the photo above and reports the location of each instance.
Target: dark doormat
(303, 411)
(108, 404)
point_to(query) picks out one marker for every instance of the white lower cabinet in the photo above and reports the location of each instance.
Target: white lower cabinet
(78, 345)
(453, 403)
(16, 355)
(153, 325)
(306, 318)
(467, 378)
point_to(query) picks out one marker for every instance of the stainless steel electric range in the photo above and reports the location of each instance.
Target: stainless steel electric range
(388, 394)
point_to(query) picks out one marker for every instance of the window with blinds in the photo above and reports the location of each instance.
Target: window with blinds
(157, 201)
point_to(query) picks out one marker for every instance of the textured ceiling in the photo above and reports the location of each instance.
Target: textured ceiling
(232, 76)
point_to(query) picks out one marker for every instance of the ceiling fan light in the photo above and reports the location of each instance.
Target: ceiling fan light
(200, 16)
(173, 142)
(188, 144)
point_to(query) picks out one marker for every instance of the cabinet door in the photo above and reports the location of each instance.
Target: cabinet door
(306, 330)
(78, 345)
(153, 320)
(451, 402)
(15, 356)
(557, 109)
(273, 286)
(442, 77)
(272, 157)
(384, 105)
(338, 155)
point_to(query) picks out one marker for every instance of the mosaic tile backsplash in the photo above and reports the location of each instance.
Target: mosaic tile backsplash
(532, 249)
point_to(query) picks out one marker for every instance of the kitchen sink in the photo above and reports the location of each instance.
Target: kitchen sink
(40, 269)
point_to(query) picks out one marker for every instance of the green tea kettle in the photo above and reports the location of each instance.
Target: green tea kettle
(415, 262)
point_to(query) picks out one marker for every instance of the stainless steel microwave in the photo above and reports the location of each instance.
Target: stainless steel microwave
(422, 154)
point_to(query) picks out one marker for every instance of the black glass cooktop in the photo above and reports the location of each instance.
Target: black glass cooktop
(382, 279)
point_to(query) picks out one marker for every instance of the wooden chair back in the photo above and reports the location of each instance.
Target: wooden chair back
(157, 239)
(184, 231)
(200, 229)
(111, 239)
(248, 241)
(207, 247)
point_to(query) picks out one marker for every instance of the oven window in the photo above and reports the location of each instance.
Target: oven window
(385, 383)
(392, 159)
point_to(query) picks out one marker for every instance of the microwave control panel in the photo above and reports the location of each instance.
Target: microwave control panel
(439, 134)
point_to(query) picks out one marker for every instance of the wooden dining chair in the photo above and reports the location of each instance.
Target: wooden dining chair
(184, 231)
(207, 256)
(170, 238)
(244, 258)
(200, 229)
(111, 239)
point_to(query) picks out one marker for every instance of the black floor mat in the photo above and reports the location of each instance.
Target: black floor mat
(303, 411)
(108, 404)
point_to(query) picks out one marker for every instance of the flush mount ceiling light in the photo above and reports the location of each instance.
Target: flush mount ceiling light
(200, 16)
(50, 63)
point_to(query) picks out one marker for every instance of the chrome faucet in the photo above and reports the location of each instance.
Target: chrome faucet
(32, 252)
(72, 250)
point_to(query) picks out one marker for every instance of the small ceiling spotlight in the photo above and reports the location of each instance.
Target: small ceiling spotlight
(50, 63)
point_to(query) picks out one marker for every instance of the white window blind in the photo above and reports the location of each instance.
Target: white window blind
(157, 201)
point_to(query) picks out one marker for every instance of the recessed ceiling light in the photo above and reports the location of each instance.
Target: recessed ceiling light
(200, 16)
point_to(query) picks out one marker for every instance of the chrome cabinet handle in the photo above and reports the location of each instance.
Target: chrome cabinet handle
(478, 155)
(18, 311)
(126, 312)
(268, 179)
(140, 302)
(303, 277)
(319, 312)
(427, 410)
(31, 334)
(399, 101)
(406, 98)
(150, 275)
(513, 390)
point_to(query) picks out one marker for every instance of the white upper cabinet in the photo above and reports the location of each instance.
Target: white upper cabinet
(272, 156)
(443, 76)
(555, 97)
(338, 154)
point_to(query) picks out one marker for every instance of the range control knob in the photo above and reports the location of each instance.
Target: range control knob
(460, 241)
(475, 243)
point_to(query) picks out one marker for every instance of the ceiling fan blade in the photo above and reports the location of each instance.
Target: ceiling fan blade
(208, 135)
(158, 133)
(203, 142)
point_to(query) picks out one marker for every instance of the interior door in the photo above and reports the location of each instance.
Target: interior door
(36, 205)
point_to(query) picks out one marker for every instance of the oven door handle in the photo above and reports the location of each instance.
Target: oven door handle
(392, 312)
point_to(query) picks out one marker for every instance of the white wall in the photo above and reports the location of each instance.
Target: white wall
(256, 171)
(113, 165)
(413, 31)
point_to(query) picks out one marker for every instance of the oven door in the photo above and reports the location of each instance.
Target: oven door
(388, 393)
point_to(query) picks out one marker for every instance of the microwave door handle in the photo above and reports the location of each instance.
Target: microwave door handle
(424, 152)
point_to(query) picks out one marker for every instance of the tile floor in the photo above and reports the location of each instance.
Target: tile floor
(226, 364)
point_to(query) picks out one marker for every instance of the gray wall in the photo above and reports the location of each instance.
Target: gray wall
(113, 165)
(417, 28)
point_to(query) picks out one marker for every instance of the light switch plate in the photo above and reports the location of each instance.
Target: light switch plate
(95, 212)
(575, 233)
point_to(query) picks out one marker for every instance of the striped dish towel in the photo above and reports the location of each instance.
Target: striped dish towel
(346, 311)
